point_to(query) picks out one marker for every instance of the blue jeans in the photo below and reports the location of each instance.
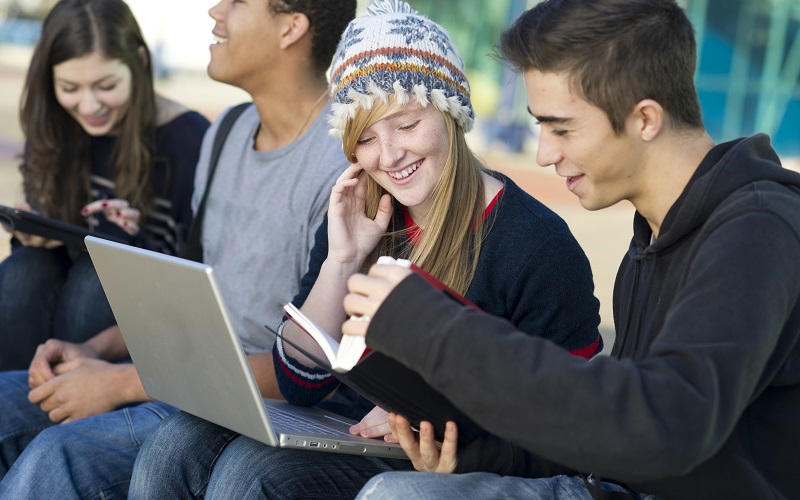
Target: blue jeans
(187, 457)
(48, 294)
(477, 486)
(88, 458)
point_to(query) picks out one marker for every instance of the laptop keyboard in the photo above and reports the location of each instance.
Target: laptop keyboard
(288, 421)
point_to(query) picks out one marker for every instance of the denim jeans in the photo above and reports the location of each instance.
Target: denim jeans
(47, 294)
(187, 457)
(477, 486)
(88, 458)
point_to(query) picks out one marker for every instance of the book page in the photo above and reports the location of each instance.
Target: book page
(329, 346)
(350, 351)
(341, 357)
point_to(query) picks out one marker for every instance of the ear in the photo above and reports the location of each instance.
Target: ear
(144, 56)
(648, 119)
(296, 26)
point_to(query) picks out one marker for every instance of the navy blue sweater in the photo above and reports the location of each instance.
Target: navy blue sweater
(531, 271)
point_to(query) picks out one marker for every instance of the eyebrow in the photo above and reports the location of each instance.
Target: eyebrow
(101, 80)
(403, 112)
(549, 119)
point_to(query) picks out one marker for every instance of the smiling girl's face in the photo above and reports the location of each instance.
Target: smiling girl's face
(406, 154)
(94, 90)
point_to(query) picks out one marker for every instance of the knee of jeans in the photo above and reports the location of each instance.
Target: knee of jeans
(376, 487)
(27, 271)
(83, 268)
(161, 442)
(52, 446)
(176, 435)
(83, 309)
(83, 286)
(145, 473)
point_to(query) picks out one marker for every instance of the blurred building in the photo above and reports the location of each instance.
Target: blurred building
(748, 73)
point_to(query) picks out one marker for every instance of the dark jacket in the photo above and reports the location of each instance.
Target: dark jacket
(701, 395)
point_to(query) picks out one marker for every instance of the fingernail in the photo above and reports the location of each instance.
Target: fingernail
(84, 211)
(105, 204)
(118, 213)
(353, 430)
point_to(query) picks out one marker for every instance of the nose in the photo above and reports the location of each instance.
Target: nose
(391, 153)
(548, 153)
(88, 104)
(214, 12)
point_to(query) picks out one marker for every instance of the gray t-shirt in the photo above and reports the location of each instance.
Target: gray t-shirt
(261, 215)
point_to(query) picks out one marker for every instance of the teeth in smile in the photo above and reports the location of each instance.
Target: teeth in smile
(219, 39)
(404, 173)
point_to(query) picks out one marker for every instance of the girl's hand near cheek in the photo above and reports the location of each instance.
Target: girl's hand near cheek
(117, 211)
(351, 234)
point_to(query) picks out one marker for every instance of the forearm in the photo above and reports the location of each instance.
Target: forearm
(263, 370)
(299, 384)
(567, 409)
(482, 363)
(127, 385)
(108, 344)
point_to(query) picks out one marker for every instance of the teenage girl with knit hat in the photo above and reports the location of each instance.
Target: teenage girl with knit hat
(414, 190)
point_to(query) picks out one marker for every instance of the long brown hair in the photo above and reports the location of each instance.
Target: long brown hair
(56, 164)
(453, 230)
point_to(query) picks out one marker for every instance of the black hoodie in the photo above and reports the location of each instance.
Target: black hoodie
(700, 397)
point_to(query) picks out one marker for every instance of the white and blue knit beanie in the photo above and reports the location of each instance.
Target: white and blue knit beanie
(393, 49)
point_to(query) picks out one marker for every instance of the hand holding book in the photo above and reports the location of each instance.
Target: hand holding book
(367, 293)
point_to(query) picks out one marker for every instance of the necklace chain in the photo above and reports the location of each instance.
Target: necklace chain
(260, 132)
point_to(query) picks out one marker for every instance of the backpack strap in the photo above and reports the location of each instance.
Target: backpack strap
(193, 248)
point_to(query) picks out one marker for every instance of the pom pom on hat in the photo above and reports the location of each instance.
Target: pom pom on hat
(380, 7)
(393, 49)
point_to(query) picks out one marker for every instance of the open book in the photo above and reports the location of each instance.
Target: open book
(341, 357)
(381, 379)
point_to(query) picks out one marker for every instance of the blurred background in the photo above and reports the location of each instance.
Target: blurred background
(748, 80)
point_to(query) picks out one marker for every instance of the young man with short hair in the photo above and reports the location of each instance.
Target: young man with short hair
(700, 397)
(267, 198)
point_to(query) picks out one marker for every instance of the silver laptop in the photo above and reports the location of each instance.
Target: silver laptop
(175, 324)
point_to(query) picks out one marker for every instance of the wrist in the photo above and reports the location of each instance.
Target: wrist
(129, 387)
(90, 350)
(107, 345)
(340, 269)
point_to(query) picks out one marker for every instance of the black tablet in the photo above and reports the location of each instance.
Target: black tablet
(52, 229)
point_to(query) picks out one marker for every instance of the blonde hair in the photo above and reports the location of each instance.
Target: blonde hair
(453, 230)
